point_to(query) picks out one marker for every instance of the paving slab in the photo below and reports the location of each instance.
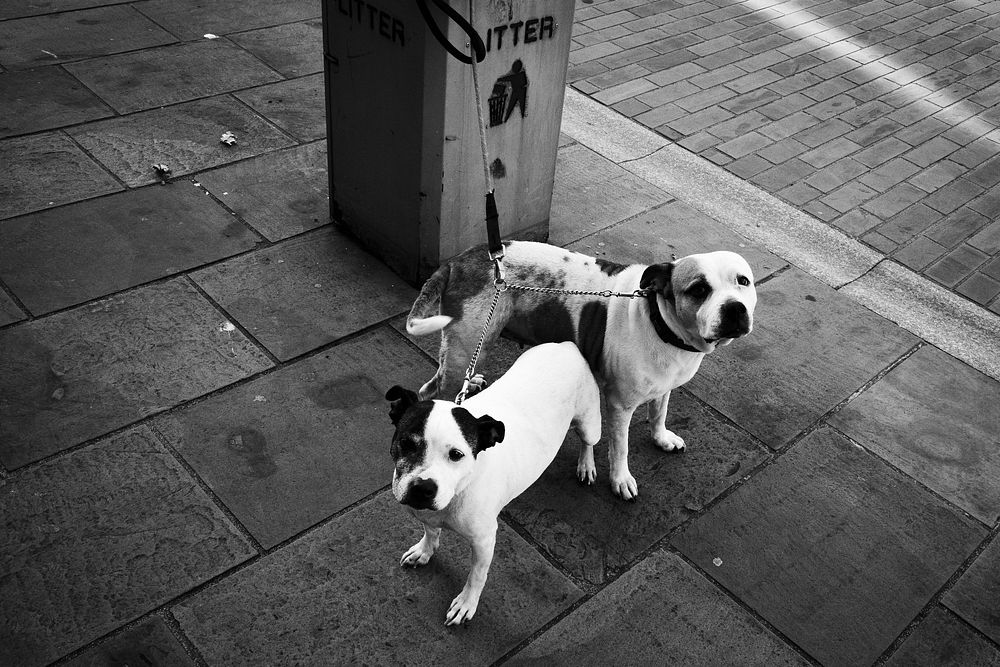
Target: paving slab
(64, 37)
(975, 596)
(45, 98)
(185, 137)
(940, 640)
(293, 447)
(293, 49)
(810, 349)
(175, 73)
(832, 547)
(148, 643)
(86, 371)
(297, 106)
(591, 193)
(61, 257)
(45, 170)
(99, 537)
(596, 535)
(950, 322)
(19, 8)
(280, 194)
(935, 419)
(339, 596)
(662, 611)
(673, 229)
(306, 292)
(190, 19)
(9, 311)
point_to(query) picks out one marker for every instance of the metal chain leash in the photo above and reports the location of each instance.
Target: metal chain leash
(575, 292)
(500, 285)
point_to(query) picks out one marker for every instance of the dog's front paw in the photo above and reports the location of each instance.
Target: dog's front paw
(624, 486)
(463, 608)
(586, 469)
(668, 441)
(417, 555)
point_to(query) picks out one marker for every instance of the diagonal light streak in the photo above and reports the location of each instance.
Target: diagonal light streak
(942, 102)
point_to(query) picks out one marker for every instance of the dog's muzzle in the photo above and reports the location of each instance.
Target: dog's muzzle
(734, 320)
(421, 494)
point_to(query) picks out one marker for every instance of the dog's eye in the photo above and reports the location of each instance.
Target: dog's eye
(699, 290)
(743, 280)
(456, 455)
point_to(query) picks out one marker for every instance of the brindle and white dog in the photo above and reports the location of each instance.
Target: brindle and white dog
(639, 349)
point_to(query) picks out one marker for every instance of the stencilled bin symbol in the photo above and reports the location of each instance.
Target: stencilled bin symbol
(509, 91)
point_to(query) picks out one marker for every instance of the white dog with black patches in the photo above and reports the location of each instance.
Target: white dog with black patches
(639, 348)
(450, 472)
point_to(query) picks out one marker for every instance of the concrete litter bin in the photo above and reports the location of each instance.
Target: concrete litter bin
(406, 170)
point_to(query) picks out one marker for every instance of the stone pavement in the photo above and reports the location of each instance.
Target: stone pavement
(879, 117)
(193, 439)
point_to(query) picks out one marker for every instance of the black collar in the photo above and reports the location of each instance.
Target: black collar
(665, 333)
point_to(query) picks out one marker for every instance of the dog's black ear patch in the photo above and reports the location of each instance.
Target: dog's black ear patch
(658, 277)
(491, 432)
(481, 433)
(401, 401)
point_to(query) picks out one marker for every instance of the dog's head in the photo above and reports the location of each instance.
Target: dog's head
(435, 447)
(707, 299)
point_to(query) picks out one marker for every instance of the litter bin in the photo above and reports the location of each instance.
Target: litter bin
(406, 167)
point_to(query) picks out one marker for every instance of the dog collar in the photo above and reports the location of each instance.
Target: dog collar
(662, 329)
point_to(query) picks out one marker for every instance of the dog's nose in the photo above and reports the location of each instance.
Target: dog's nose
(421, 494)
(734, 321)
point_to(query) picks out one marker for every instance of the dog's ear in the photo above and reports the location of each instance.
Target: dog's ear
(401, 400)
(658, 278)
(490, 432)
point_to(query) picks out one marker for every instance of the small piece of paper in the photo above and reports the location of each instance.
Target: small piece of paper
(228, 138)
(162, 169)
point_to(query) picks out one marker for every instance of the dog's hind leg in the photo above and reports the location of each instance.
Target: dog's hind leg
(586, 469)
(665, 439)
(452, 362)
(588, 427)
(458, 343)
(432, 388)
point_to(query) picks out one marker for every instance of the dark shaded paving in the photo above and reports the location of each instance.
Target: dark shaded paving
(194, 445)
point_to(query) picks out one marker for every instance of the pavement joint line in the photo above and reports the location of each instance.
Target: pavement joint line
(261, 242)
(936, 601)
(207, 489)
(740, 603)
(955, 325)
(920, 484)
(93, 158)
(174, 627)
(230, 320)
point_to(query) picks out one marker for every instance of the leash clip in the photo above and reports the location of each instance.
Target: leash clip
(464, 391)
(499, 274)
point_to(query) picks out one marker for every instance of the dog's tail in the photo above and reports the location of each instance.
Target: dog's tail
(425, 317)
